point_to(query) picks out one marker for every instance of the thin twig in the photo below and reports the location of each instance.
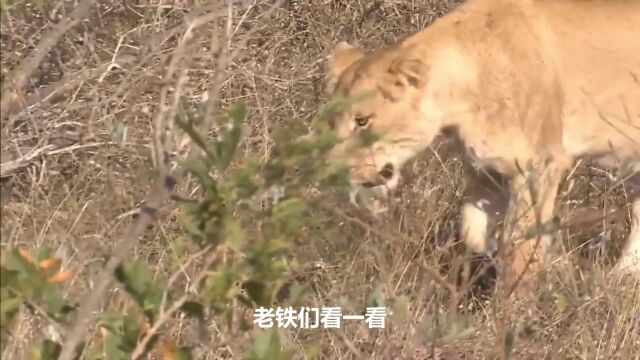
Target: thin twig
(9, 167)
(175, 306)
(440, 280)
(14, 87)
(160, 192)
(356, 353)
(54, 92)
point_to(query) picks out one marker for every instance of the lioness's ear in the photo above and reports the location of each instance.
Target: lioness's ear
(403, 73)
(344, 55)
(408, 71)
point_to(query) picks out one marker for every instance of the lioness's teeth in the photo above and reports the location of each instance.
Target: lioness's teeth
(377, 207)
(380, 192)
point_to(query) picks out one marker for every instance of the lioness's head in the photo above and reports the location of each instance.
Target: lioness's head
(393, 81)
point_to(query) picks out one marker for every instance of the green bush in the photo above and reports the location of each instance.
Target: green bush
(256, 209)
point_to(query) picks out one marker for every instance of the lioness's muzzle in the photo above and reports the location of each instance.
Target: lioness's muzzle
(383, 176)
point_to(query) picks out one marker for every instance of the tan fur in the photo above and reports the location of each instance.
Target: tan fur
(528, 86)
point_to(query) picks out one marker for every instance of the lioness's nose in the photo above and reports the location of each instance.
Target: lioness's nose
(387, 171)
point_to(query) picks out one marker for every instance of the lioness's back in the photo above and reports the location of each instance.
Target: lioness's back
(598, 50)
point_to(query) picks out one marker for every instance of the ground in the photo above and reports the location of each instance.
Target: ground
(76, 182)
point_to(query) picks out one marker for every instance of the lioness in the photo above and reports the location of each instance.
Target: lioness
(528, 86)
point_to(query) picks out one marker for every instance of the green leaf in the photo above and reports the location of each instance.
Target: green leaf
(17, 263)
(185, 122)
(376, 297)
(289, 208)
(335, 177)
(122, 335)
(265, 258)
(297, 292)
(48, 350)
(313, 351)
(9, 306)
(8, 278)
(54, 304)
(561, 303)
(231, 133)
(287, 216)
(138, 282)
(238, 113)
(194, 309)
(199, 170)
(234, 234)
(259, 292)
(367, 138)
(267, 347)
(273, 173)
(509, 341)
(192, 228)
(400, 306)
(337, 104)
(131, 333)
(244, 182)
(216, 286)
(24, 276)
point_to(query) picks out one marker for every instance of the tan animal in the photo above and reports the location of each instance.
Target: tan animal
(528, 86)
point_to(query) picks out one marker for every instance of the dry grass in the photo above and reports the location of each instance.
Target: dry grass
(72, 185)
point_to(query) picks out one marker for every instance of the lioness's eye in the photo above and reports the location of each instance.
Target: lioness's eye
(362, 120)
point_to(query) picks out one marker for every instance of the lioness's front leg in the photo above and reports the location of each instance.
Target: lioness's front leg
(529, 219)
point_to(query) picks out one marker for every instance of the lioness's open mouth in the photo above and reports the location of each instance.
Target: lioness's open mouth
(375, 197)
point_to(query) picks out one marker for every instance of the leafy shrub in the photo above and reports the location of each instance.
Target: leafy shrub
(255, 211)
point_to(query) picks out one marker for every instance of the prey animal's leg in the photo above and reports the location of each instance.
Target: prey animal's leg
(485, 201)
